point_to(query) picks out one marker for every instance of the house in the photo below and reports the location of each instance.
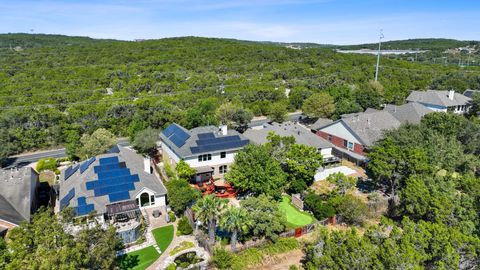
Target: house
(209, 150)
(301, 134)
(354, 133)
(18, 198)
(113, 187)
(408, 113)
(470, 93)
(441, 101)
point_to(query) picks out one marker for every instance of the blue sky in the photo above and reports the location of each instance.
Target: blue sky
(320, 21)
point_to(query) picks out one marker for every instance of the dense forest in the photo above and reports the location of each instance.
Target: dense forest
(55, 88)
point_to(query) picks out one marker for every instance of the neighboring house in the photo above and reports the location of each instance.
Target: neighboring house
(441, 101)
(301, 134)
(209, 150)
(113, 187)
(470, 93)
(408, 113)
(17, 196)
(354, 133)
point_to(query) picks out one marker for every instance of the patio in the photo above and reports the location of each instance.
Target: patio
(323, 174)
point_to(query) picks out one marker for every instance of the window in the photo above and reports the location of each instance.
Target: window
(222, 169)
(350, 145)
(152, 199)
(204, 157)
(223, 154)
(329, 138)
(345, 143)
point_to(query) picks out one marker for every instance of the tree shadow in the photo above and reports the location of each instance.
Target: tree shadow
(128, 261)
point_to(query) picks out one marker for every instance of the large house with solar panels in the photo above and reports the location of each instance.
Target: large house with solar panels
(210, 150)
(113, 187)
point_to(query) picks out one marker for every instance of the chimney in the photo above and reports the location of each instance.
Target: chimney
(146, 165)
(451, 94)
(224, 130)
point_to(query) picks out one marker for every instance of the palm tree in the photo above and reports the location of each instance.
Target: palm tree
(235, 220)
(208, 210)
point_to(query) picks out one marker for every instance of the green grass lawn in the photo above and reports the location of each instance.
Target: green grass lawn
(163, 236)
(295, 218)
(138, 260)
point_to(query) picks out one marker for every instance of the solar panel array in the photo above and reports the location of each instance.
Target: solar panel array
(85, 164)
(65, 201)
(176, 134)
(207, 142)
(70, 170)
(83, 208)
(114, 180)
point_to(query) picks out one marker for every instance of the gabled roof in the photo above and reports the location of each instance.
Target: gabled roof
(106, 179)
(15, 196)
(369, 126)
(408, 113)
(438, 98)
(321, 122)
(199, 140)
(301, 134)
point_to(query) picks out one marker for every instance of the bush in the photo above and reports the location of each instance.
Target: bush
(47, 164)
(319, 206)
(171, 216)
(183, 227)
(181, 195)
(352, 210)
(168, 170)
(222, 259)
(171, 266)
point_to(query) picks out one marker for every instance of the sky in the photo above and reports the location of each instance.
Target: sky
(319, 21)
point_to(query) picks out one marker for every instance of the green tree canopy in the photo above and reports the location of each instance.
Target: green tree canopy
(184, 171)
(99, 142)
(208, 210)
(319, 105)
(181, 195)
(145, 141)
(256, 171)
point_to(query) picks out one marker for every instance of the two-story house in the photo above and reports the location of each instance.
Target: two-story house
(441, 101)
(209, 150)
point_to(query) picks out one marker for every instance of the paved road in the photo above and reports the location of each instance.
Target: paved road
(24, 160)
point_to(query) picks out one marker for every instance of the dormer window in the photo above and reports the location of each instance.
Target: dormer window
(204, 157)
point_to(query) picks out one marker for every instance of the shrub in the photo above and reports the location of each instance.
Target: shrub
(47, 164)
(222, 259)
(353, 210)
(320, 207)
(171, 266)
(171, 216)
(183, 227)
(168, 170)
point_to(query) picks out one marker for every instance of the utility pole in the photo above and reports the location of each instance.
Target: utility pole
(378, 54)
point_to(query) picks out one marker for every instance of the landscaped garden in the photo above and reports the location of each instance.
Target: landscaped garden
(138, 260)
(143, 258)
(295, 218)
(163, 236)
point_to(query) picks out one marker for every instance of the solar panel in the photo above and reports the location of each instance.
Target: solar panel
(218, 146)
(66, 200)
(218, 140)
(169, 130)
(84, 209)
(119, 196)
(70, 170)
(85, 164)
(206, 136)
(82, 201)
(108, 160)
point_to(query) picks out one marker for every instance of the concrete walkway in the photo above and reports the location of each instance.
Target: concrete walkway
(176, 240)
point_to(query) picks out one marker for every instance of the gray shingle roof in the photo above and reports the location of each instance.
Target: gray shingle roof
(369, 127)
(185, 150)
(133, 162)
(321, 122)
(301, 134)
(15, 198)
(408, 113)
(438, 98)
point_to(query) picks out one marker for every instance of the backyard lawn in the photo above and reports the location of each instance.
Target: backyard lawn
(138, 260)
(163, 236)
(295, 218)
